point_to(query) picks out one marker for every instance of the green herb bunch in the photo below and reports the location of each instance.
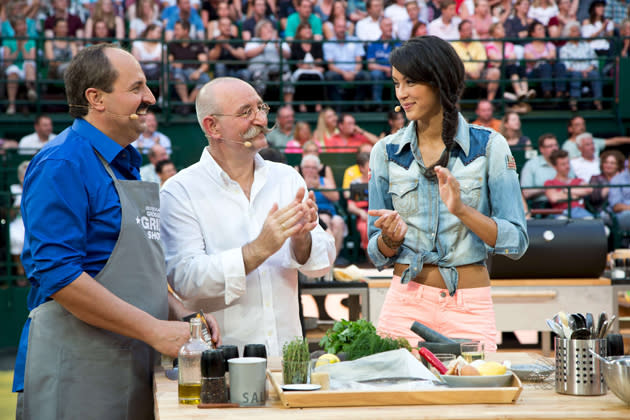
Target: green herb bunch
(295, 360)
(358, 339)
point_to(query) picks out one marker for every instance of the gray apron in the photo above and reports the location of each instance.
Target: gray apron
(77, 371)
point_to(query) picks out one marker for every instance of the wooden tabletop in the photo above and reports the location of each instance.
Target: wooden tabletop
(535, 402)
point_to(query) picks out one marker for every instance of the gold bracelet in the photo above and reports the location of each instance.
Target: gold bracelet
(390, 243)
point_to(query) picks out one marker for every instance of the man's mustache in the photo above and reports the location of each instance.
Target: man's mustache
(255, 131)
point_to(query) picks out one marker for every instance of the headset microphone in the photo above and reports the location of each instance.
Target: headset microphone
(133, 116)
(397, 108)
(247, 144)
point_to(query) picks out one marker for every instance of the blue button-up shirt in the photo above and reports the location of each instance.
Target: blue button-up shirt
(71, 214)
(482, 163)
(620, 195)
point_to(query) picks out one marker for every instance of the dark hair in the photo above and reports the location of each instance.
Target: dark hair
(302, 25)
(391, 115)
(363, 158)
(591, 9)
(273, 155)
(149, 28)
(433, 61)
(159, 167)
(558, 154)
(619, 157)
(184, 24)
(543, 137)
(532, 26)
(90, 68)
(41, 117)
(416, 26)
(462, 23)
(444, 4)
(342, 118)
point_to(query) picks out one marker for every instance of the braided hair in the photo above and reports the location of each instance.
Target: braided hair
(433, 61)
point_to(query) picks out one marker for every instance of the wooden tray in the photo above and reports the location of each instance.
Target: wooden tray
(505, 395)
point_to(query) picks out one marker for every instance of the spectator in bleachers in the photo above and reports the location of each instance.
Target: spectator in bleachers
(101, 34)
(226, 50)
(473, 55)
(17, 9)
(357, 10)
(582, 65)
(157, 153)
(397, 12)
(511, 129)
(566, 14)
(208, 11)
(345, 64)
(223, 11)
(151, 136)
(148, 52)
(271, 9)
(285, 9)
(304, 13)
(16, 227)
(517, 26)
(619, 199)
(420, 28)
(617, 11)
(60, 50)
(165, 169)
(183, 12)
(131, 9)
(405, 27)
(577, 126)
(542, 11)
(501, 54)
(264, 54)
(323, 8)
(19, 59)
(325, 200)
(146, 14)
(188, 62)
(31, 143)
(104, 11)
(283, 129)
(309, 67)
(539, 169)
(301, 134)
(360, 208)
(378, 61)
(587, 165)
(350, 136)
(481, 20)
(446, 26)
(369, 28)
(258, 14)
(558, 196)
(485, 118)
(542, 63)
(611, 163)
(395, 121)
(352, 173)
(60, 11)
(326, 126)
(598, 26)
(624, 33)
(339, 10)
(311, 148)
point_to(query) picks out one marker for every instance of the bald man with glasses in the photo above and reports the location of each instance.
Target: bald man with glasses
(236, 229)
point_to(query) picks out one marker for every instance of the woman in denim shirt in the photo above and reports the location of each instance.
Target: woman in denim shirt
(442, 195)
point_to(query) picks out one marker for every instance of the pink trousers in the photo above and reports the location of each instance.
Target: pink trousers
(467, 314)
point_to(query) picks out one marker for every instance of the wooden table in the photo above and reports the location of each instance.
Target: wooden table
(534, 403)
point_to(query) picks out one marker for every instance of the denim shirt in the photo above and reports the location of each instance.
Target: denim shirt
(482, 163)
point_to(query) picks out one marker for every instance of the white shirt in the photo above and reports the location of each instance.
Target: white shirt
(440, 29)
(30, 144)
(206, 220)
(397, 14)
(368, 29)
(542, 15)
(585, 169)
(144, 144)
(148, 174)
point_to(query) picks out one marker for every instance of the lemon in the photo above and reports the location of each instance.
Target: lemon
(326, 359)
(491, 368)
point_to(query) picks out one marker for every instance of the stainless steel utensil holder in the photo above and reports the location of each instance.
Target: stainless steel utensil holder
(578, 372)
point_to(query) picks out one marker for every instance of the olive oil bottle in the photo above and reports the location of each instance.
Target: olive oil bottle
(189, 364)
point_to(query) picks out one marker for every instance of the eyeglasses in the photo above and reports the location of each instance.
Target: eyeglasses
(249, 113)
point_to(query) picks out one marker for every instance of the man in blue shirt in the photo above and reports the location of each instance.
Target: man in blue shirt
(378, 59)
(92, 253)
(183, 12)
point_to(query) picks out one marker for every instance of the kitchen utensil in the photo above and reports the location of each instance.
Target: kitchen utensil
(611, 320)
(581, 334)
(532, 372)
(429, 335)
(600, 323)
(492, 381)
(577, 372)
(603, 329)
(556, 328)
(589, 323)
(616, 372)
(433, 361)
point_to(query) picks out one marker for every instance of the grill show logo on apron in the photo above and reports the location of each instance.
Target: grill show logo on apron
(150, 222)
